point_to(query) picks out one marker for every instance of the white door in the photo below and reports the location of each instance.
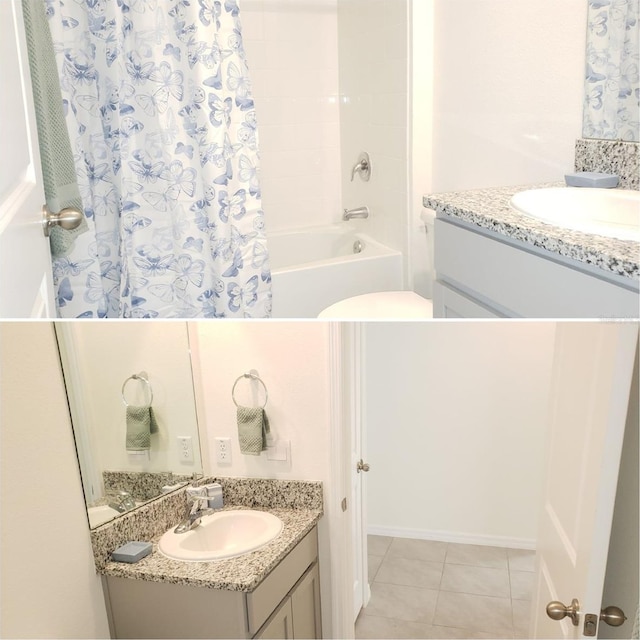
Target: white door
(361, 590)
(26, 287)
(593, 366)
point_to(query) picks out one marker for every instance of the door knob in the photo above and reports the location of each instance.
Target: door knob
(613, 616)
(67, 219)
(362, 466)
(557, 611)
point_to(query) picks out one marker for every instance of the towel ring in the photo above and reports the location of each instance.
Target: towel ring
(142, 378)
(251, 376)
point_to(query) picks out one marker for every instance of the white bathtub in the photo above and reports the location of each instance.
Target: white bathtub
(315, 267)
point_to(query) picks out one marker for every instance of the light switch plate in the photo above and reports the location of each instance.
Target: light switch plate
(279, 450)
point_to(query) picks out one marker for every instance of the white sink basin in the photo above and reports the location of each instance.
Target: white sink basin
(224, 534)
(614, 213)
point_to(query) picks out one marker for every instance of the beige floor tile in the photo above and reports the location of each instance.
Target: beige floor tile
(373, 564)
(482, 581)
(425, 550)
(522, 560)
(522, 583)
(411, 573)
(465, 634)
(480, 613)
(378, 627)
(411, 604)
(378, 545)
(477, 555)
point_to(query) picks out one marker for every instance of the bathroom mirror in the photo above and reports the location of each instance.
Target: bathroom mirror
(612, 82)
(121, 465)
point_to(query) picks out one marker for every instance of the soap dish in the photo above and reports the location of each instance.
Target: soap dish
(132, 552)
(592, 179)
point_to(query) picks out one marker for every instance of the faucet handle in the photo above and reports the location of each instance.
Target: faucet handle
(363, 167)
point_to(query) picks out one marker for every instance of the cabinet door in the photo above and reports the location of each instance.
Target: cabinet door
(305, 601)
(448, 303)
(280, 625)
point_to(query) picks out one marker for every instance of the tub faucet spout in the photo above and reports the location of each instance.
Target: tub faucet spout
(360, 212)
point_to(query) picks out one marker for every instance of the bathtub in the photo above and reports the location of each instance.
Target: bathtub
(315, 267)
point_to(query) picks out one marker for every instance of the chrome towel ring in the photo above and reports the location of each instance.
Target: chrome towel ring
(142, 376)
(251, 376)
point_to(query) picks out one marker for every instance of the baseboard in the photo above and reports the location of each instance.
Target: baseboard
(452, 536)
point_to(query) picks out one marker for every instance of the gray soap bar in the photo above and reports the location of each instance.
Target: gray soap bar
(592, 179)
(132, 552)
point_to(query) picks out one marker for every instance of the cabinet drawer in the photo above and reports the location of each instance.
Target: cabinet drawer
(516, 281)
(272, 590)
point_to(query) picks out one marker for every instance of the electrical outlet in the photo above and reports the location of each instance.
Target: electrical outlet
(223, 450)
(185, 449)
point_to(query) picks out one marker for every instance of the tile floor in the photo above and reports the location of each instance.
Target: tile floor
(426, 589)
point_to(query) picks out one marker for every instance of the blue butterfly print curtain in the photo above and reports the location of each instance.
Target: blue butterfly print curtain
(612, 96)
(161, 118)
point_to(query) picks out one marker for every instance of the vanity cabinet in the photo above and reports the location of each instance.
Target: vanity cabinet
(286, 604)
(481, 274)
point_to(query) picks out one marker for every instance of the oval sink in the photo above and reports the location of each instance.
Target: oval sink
(614, 213)
(224, 534)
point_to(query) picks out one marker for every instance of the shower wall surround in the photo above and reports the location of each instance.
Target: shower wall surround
(374, 91)
(292, 52)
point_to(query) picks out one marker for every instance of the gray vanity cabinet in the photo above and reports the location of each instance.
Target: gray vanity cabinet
(481, 274)
(286, 604)
(298, 616)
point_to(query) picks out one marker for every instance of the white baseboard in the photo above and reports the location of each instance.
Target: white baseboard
(452, 536)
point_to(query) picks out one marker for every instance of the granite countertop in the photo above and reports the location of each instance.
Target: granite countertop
(242, 573)
(299, 504)
(489, 209)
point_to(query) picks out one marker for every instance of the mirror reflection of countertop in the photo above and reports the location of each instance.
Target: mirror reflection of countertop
(490, 211)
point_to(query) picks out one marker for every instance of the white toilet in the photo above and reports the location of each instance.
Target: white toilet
(392, 305)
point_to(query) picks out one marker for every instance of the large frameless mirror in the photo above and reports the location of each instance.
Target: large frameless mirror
(132, 403)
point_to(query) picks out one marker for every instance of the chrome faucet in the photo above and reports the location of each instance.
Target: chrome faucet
(121, 501)
(360, 212)
(195, 512)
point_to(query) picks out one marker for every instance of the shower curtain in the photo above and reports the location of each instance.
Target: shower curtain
(612, 95)
(161, 118)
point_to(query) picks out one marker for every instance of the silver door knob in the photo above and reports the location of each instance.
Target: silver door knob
(67, 219)
(613, 616)
(362, 466)
(557, 611)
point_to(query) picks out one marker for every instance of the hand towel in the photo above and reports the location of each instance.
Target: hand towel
(58, 168)
(253, 427)
(141, 423)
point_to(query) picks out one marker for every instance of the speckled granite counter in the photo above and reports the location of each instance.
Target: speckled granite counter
(297, 504)
(489, 209)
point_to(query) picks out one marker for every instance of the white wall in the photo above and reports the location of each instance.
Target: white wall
(106, 355)
(49, 585)
(292, 52)
(292, 358)
(508, 86)
(373, 112)
(455, 418)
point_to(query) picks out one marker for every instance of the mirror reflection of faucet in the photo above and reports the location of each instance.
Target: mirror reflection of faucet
(360, 212)
(121, 501)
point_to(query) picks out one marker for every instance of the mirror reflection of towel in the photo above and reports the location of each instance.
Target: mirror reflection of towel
(253, 427)
(141, 423)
